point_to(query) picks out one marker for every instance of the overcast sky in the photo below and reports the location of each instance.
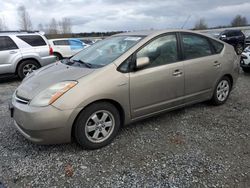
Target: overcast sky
(114, 15)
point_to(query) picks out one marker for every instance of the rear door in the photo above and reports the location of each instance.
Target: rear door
(63, 47)
(160, 85)
(202, 66)
(8, 53)
(75, 46)
(37, 43)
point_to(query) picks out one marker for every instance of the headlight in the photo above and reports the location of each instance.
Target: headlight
(52, 93)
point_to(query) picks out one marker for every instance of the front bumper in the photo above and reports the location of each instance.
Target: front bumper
(43, 125)
(244, 65)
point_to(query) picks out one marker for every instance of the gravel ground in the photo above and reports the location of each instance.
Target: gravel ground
(197, 146)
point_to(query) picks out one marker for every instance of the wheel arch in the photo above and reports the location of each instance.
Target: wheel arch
(113, 102)
(230, 78)
(22, 60)
(56, 52)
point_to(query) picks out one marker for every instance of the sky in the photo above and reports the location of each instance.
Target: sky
(125, 15)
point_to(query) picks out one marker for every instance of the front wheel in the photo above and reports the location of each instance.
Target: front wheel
(97, 125)
(222, 91)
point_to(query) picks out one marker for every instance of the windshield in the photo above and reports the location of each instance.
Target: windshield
(106, 51)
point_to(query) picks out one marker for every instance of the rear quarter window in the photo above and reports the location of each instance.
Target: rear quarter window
(218, 46)
(33, 40)
(61, 43)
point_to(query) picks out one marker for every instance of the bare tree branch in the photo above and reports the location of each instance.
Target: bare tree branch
(3, 26)
(53, 27)
(200, 24)
(65, 26)
(24, 18)
(239, 21)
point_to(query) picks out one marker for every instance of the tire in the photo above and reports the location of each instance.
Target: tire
(221, 91)
(246, 69)
(239, 48)
(58, 56)
(89, 128)
(26, 67)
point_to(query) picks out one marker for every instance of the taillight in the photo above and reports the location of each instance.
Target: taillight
(50, 50)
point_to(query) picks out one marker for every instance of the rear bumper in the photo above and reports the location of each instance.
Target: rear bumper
(47, 60)
(42, 125)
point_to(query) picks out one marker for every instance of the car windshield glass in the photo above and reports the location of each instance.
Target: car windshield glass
(106, 51)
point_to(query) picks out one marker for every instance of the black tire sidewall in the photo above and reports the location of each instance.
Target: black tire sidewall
(79, 126)
(246, 69)
(237, 47)
(21, 66)
(215, 99)
(58, 56)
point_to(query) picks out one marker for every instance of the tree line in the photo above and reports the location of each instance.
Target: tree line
(237, 21)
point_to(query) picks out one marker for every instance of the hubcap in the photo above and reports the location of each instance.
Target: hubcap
(239, 49)
(99, 126)
(28, 68)
(223, 89)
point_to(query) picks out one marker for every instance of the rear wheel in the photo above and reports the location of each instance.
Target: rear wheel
(97, 125)
(26, 67)
(222, 91)
(239, 48)
(58, 56)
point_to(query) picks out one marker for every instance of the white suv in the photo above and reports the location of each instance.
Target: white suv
(23, 52)
(65, 48)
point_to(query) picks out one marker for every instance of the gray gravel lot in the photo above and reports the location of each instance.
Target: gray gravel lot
(198, 146)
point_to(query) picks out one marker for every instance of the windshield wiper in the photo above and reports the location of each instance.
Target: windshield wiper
(89, 65)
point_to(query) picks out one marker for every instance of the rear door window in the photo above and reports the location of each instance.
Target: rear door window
(61, 42)
(6, 43)
(33, 40)
(195, 46)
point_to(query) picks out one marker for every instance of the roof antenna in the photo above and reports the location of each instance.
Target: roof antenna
(186, 21)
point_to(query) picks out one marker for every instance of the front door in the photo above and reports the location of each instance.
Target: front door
(160, 85)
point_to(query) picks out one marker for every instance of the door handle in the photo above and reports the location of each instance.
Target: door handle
(177, 72)
(13, 52)
(217, 64)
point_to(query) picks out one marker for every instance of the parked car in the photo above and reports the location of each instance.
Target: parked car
(65, 48)
(23, 52)
(87, 41)
(248, 41)
(234, 37)
(245, 60)
(91, 95)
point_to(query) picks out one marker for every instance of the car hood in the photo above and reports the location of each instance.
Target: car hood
(47, 76)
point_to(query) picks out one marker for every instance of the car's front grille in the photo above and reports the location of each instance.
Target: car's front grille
(21, 99)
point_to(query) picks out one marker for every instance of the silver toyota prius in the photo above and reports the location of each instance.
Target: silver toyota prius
(122, 79)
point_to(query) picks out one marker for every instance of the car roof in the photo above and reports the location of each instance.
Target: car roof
(76, 39)
(154, 32)
(7, 33)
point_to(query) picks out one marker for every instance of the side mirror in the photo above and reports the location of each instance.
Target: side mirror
(142, 62)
